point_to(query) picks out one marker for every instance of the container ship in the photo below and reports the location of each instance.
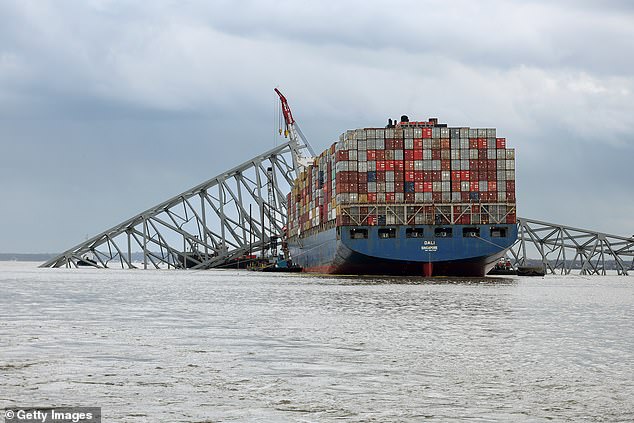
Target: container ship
(410, 198)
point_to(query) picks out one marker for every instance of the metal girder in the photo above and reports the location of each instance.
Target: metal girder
(206, 226)
(564, 249)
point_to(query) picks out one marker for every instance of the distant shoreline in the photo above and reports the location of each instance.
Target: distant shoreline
(26, 256)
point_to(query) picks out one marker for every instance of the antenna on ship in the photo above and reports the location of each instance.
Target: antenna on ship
(293, 132)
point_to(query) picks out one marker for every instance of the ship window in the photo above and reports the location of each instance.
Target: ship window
(443, 232)
(471, 232)
(358, 233)
(414, 233)
(498, 232)
(387, 233)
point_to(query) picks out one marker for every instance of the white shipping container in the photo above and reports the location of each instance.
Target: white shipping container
(352, 166)
(362, 145)
(455, 154)
(362, 167)
(464, 164)
(482, 133)
(399, 197)
(408, 133)
(371, 166)
(389, 133)
(446, 186)
(427, 154)
(390, 219)
(389, 186)
(510, 154)
(426, 165)
(510, 164)
(455, 143)
(380, 134)
(473, 154)
(352, 155)
(464, 132)
(380, 197)
(398, 154)
(510, 175)
(464, 186)
(435, 132)
(446, 196)
(362, 156)
(379, 144)
(354, 198)
(371, 186)
(464, 143)
(350, 134)
(427, 197)
(418, 197)
(436, 186)
(409, 143)
(483, 185)
(501, 174)
(444, 132)
(445, 175)
(473, 133)
(352, 144)
(455, 165)
(491, 133)
(370, 144)
(501, 164)
(491, 153)
(370, 134)
(389, 176)
(502, 196)
(435, 165)
(359, 134)
(418, 165)
(455, 197)
(418, 133)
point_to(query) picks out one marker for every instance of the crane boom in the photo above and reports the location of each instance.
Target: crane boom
(294, 133)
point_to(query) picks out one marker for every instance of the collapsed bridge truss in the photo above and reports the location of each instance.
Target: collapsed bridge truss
(242, 212)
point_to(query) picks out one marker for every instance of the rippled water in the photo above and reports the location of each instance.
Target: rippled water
(228, 345)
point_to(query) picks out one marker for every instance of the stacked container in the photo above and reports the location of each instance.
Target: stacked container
(413, 173)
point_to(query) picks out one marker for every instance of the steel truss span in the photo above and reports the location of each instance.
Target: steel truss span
(564, 249)
(212, 224)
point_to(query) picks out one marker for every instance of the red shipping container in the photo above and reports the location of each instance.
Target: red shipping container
(473, 143)
(418, 154)
(474, 165)
(363, 188)
(482, 154)
(445, 165)
(436, 175)
(435, 154)
(492, 175)
(371, 197)
(464, 175)
(474, 186)
(427, 132)
(510, 186)
(511, 218)
(398, 144)
(428, 186)
(380, 166)
(380, 176)
(398, 186)
(399, 176)
(389, 144)
(500, 143)
(493, 186)
(464, 197)
(353, 187)
(408, 155)
(409, 197)
(371, 220)
(437, 197)
(371, 155)
(408, 166)
(389, 197)
(419, 175)
(510, 196)
(482, 143)
(380, 155)
(418, 144)
(362, 177)
(399, 165)
(419, 186)
(455, 175)
(341, 155)
(445, 144)
(389, 165)
(409, 176)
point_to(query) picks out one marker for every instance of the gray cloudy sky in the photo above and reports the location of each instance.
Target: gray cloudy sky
(109, 107)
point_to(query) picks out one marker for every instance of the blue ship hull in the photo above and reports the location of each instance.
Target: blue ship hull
(364, 250)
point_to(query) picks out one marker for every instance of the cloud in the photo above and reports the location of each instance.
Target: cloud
(181, 92)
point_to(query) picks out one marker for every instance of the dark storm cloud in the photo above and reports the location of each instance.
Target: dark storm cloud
(108, 107)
